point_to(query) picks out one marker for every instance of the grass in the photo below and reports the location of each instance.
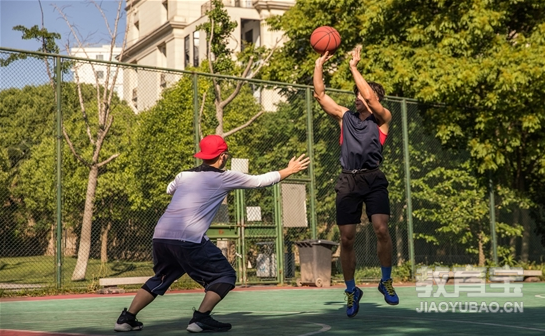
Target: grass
(41, 270)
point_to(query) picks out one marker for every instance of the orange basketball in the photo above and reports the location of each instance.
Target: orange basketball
(325, 38)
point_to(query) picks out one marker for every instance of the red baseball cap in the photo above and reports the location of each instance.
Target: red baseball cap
(211, 146)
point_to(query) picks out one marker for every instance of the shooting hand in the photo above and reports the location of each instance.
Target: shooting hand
(355, 56)
(322, 59)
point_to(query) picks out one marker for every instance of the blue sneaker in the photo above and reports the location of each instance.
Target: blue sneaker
(353, 301)
(386, 288)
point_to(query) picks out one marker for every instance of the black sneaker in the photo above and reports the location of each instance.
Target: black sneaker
(127, 322)
(203, 322)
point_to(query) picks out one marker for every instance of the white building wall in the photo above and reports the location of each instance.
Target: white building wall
(150, 16)
(94, 73)
(168, 22)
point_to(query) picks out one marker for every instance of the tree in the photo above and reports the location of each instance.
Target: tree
(481, 60)
(164, 145)
(26, 119)
(27, 116)
(457, 203)
(96, 134)
(220, 61)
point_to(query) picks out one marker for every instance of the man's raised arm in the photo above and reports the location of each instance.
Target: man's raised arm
(366, 92)
(327, 104)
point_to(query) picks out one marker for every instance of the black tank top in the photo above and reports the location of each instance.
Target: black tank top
(361, 147)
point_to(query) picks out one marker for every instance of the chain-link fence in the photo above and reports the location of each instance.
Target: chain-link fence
(80, 200)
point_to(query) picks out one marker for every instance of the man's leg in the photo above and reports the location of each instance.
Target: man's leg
(127, 320)
(348, 255)
(207, 265)
(213, 296)
(384, 241)
(348, 262)
(140, 301)
(384, 251)
(202, 321)
(166, 271)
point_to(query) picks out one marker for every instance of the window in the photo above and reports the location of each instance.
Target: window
(248, 38)
(100, 74)
(196, 49)
(99, 57)
(186, 51)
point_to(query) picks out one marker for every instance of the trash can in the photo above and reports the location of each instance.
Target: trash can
(315, 260)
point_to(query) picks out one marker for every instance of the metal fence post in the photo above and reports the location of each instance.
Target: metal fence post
(240, 239)
(279, 233)
(408, 184)
(58, 77)
(241, 223)
(310, 150)
(196, 116)
(493, 223)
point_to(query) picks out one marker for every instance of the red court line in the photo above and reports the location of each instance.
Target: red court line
(11, 332)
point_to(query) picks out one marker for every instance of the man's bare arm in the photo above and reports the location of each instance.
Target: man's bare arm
(382, 114)
(325, 101)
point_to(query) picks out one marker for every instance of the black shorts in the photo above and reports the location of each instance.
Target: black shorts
(354, 189)
(203, 262)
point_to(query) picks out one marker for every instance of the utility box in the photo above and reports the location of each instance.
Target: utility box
(315, 260)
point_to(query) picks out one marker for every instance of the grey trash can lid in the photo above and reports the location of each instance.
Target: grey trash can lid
(309, 242)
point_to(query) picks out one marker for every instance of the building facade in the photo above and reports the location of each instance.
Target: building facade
(93, 74)
(162, 33)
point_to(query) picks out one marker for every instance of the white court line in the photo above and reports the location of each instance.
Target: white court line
(460, 321)
(541, 296)
(325, 328)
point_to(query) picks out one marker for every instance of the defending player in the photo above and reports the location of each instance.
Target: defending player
(180, 244)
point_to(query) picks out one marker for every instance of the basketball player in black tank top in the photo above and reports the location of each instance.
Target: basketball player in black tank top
(363, 133)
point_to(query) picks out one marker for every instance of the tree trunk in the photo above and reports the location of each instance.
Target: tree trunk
(219, 117)
(52, 244)
(481, 249)
(86, 226)
(525, 248)
(69, 242)
(104, 242)
(513, 239)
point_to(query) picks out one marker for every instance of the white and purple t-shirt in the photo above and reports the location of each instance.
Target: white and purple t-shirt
(197, 195)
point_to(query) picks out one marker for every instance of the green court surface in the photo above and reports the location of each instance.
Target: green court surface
(297, 312)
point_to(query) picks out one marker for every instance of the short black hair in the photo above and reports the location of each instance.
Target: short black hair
(376, 87)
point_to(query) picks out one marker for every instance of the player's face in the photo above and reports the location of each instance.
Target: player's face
(361, 105)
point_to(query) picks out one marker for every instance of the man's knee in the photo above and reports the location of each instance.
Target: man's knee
(220, 288)
(383, 235)
(347, 241)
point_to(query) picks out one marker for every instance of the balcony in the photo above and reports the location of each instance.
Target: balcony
(227, 3)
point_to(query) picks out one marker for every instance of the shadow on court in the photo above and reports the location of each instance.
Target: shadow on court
(288, 312)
